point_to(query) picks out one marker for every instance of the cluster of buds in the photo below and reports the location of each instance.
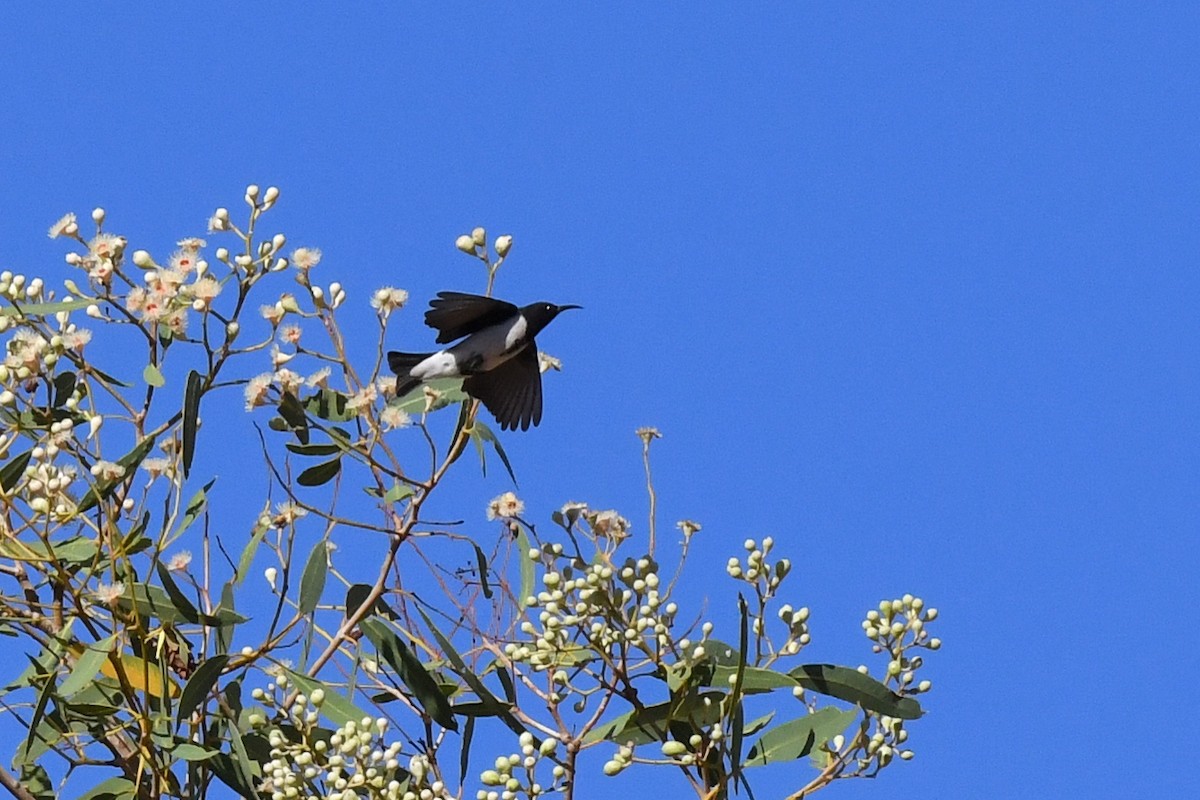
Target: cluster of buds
(18, 288)
(620, 761)
(612, 608)
(898, 626)
(475, 244)
(758, 571)
(29, 355)
(46, 485)
(797, 624)
(504, 780)
(354, 762)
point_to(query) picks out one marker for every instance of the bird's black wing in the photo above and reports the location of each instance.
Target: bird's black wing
(455, 315)
(511, 391)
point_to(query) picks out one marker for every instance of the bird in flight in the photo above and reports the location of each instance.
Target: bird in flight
(497, 357)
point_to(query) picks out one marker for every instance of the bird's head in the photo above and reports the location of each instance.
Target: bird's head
(539, 315)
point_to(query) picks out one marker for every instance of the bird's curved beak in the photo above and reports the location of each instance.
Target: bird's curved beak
(564, 308)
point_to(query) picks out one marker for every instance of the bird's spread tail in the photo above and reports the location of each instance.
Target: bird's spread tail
(402, 364)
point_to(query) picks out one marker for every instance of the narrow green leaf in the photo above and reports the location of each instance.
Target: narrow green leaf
(150, 601)
(193, 752)
(464, 756)
(398, 492)
(451, 393)
(178, 599)
(191, 416)
(39, 710)
(846, 683)
(313, 449)
(294, 415)
(44, 309)
(527, 566)
(130, 461)
(312, 581)
(195, 507)
(248, 770)
(488, 436)
(11, 472)
(482, 562)
(86, 667)
(477, 440)
(225, 607)
(248, 552)
(410, 671)
(736, 715)
(758, 724)
(336, 708)
(329, 404)
(320, 474)
(199, 685)
(111, 789)
(650, 723)
(755, 680)
(468, 675)
(153, 376)
(64, 385)
(36, 782)
(476, 708)
(797, 738)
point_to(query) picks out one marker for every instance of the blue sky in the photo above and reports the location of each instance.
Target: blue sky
(913, 291)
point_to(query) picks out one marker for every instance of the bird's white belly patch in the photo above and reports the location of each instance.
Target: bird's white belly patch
(438, 365)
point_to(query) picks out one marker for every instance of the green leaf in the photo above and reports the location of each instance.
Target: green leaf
(758, 724)
(485, 433)
(178, 599)
(195, 507)
(852, 686)
(313, 449)
(11, 472)
(799, 737)
(247, 770)
(357, 594)
(480, 709)
(320, 474)
(44, 309)
(111, 789)
(199, 685)
(153, 376)
(193, 752)
(329, 404)
(150, 601)
(451, 393)
(527, 565)
(411, 671)
(482, 562)
(336, 708)
(39, 710)
(101, 490)
(36, 782)
(468, 675)
(312, 581)
(736, 714)
(398, 492)
(651, 723)
(191, 417)
(294, 416)
(64, 385)
(87, 666)
(248, 552)
(755, 680)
